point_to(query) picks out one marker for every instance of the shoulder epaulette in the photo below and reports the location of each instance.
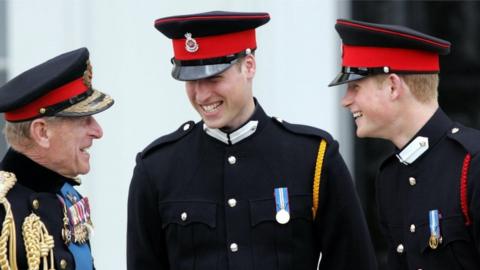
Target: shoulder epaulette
(324, 139)
(7, 181)
(468, 137)
(183, 130)
(304, 130)
(8, 236)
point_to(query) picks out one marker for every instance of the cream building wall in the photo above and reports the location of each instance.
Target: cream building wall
(296, 59)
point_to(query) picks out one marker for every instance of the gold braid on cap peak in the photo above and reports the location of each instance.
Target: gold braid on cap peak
(88, 74)
(8, 235)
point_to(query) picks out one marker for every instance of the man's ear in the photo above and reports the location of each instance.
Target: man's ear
(396, 86)
(250, 65)
(39, 131)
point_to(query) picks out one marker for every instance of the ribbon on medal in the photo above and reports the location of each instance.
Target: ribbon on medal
(79, 226)
(434, 223)
(282, 205)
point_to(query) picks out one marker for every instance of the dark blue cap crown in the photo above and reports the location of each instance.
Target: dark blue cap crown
(206, 44)
(60, 86)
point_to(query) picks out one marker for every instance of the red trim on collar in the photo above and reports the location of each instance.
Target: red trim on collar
(215, 46)
(397, 59)
(32, 109)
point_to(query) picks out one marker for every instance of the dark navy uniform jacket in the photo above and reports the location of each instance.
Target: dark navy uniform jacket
(196, 202)
(36, 192)
(406, 194)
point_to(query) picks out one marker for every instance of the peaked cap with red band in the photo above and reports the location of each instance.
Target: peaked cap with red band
(369, 49)
(59, 87)
(206, 44)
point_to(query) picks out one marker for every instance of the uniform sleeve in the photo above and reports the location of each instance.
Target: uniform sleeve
(342, 231)
(474, 201)
(145, 241)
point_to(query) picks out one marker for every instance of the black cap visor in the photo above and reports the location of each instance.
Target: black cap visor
(192, 70)
(344, 77)
(192, 73)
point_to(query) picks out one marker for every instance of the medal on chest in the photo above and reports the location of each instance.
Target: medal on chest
(77, 223)
(282, 205)
(434, 224)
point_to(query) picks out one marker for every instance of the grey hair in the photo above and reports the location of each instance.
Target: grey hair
(17, 134)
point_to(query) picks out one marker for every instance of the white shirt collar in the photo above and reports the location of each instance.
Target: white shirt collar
(234, 137)
(413, 150)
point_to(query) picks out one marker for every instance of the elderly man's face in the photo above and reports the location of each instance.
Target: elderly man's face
(70, 140)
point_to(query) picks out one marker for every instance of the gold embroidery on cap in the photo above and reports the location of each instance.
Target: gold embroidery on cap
(89, 103)
(87, 75)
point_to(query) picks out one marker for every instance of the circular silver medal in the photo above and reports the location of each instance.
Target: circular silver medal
(282, 216)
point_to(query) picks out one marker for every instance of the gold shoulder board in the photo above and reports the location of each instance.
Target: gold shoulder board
(7, 236)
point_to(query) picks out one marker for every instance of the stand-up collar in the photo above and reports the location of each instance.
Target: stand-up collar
(256, 122)
(33, 175)
(426, 138)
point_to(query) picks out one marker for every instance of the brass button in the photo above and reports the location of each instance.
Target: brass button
(232, 160)
(63, 264)
(455, 130)
(186, 127)
(183, 216)
(400, 249)
(412, 181)
(35, 204)
(232, 202)
(412, 228)
(234, 247)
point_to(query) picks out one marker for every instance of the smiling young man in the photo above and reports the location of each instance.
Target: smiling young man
(428, 189)
(50, 128)
(239, 189)
(226, 99)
